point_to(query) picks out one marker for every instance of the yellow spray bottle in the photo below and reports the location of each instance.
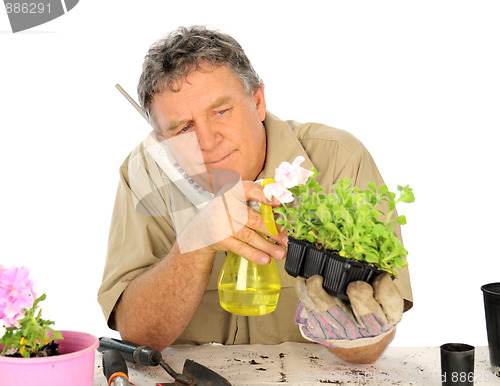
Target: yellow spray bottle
(247, 288)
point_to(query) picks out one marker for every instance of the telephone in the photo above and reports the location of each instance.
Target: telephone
(158, 149)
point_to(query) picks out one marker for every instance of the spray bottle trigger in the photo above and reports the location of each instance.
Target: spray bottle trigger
(267, 212)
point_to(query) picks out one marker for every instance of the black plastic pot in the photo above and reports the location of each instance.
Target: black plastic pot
(457, 364)
(305, 260)
(491, 295)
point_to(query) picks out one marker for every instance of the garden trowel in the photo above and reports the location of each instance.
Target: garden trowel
(193, 373)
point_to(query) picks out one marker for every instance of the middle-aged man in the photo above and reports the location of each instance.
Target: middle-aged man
(199, 82)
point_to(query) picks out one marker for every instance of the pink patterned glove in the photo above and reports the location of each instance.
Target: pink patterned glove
(374, 311)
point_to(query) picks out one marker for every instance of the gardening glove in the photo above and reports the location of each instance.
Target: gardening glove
(373, 313)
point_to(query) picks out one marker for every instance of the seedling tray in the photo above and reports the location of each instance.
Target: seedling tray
(305, 260)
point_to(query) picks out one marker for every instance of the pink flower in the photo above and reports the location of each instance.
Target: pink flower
(287, 176)
(291, 175)
(16, 294)
(279, 191)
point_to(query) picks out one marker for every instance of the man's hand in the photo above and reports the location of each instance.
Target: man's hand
(356, 333)
(228, 223)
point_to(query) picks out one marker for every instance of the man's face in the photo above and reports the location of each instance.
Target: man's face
(213, 104)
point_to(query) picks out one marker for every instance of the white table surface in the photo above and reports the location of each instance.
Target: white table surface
(303, 364)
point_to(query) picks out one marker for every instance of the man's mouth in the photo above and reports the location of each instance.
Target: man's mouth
(219, 161)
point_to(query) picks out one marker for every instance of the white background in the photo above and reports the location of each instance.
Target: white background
(417, 82)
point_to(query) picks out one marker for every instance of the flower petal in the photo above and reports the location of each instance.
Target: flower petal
(16, 294)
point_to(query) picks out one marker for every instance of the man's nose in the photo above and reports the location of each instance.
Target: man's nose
(208, 135)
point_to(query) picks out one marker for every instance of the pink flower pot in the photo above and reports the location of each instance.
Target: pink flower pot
(75, 365)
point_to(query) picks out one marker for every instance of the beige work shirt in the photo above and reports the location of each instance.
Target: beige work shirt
(142, 235)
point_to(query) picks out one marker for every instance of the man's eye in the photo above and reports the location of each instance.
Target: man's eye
(185, 128)
(222, 112)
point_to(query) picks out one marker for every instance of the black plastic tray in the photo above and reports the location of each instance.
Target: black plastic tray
(305, 260)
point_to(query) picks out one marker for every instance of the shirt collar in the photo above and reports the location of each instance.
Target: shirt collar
(282, 145)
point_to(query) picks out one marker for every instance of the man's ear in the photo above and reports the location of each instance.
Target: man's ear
(260, 102)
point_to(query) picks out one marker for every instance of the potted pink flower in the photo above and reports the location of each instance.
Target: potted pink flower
(343, 236)
(31, 351)
(27, 334)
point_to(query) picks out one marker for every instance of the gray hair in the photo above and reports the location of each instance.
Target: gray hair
(182, 52)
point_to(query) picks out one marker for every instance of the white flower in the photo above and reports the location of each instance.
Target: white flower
(279, 191)
(287, 176)
(291, 175)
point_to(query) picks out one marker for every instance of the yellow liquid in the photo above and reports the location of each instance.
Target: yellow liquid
(246, 288)
(249, 302)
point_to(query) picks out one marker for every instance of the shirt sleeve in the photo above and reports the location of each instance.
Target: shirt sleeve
(137, 241)
(361, 167)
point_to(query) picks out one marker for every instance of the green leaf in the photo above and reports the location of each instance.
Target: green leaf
(331, 227)
(310, 238)
(383, 190)
(371, 257)
(324, 214)
(313, 185)
(401, 220)
(407, 195)
(378, 230)
(280, 210)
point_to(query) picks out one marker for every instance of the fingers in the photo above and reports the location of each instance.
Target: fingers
(243, 229)
(252, 240)
(301, 290)
(361, 297)
(322, 299)
(254, 247)
(389, 297)
(256, 222)
(255, 191)
(325, 318)
(327, 314)
(365, 307)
